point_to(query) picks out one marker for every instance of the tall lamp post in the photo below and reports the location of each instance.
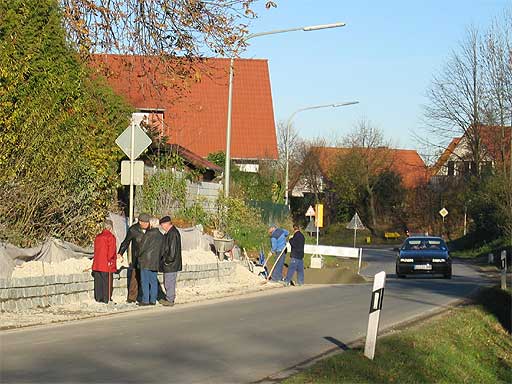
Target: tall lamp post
(227, 164)
(288, 126)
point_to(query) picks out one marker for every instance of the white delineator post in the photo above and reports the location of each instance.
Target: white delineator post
(374, 317)
(360, 254)
(503, 269)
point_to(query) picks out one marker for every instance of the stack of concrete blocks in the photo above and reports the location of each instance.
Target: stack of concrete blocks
(33, 292)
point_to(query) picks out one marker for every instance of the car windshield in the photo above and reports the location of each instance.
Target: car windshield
(424, 244)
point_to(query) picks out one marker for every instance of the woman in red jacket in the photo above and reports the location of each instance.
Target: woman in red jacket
(104, 263)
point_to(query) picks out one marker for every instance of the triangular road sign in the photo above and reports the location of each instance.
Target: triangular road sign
(311, 227)
(310, 211)
(355, 223)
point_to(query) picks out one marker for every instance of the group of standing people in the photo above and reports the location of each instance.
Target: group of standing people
(155, 247)
(278, 241)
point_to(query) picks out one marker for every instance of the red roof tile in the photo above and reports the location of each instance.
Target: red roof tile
(492, 140)
(196, 118)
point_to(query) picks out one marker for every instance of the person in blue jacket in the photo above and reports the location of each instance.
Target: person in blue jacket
(278, 244)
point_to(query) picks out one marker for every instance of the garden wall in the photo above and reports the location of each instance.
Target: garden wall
(32, 292)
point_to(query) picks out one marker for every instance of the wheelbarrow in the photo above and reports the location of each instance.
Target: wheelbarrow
(222, 246)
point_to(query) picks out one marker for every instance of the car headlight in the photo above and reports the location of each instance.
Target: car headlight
(439, 260)
(407, 260)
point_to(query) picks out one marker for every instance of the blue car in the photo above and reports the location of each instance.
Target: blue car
(424, 255)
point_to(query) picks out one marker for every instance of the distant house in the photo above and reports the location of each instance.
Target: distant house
(456, 159)
(196, 117)
(405, 162)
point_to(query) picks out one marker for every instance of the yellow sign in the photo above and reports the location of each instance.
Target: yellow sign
(319, 219)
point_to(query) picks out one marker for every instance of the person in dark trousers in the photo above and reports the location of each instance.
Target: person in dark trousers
(297, 257)
(149, 262)
(171, 259)
(134, 237)
(278, 244)
(104, 263)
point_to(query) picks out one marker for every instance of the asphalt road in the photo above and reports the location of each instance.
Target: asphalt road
(226, 341)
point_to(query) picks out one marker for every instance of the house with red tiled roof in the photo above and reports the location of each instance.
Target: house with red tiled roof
(195, 118)
(405, 162)
(456, 159)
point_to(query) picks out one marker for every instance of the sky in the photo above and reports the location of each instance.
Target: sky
(385, 58)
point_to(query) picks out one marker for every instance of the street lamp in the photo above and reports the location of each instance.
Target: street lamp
(227, 164)
(288, 125)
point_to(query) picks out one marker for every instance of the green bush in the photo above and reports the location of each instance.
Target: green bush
(241, 222)
(163, 192)
(58, 159)
(195, 214)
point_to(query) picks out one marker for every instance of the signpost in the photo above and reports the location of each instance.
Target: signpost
(319, 219)
(133, 141)
(443, 212)
(310, 228)
(503, 269)
(138, 172)
(355, 224)
(379, 282)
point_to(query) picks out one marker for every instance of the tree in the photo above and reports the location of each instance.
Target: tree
(475, 89)
(389, 195)
(496, 48)
(159, 28)
(368, 155)
(288, 139)
(457, 98)
(58, 160)
(492, 218)
(310, 171)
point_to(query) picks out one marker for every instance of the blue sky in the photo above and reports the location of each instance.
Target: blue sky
(385, 58)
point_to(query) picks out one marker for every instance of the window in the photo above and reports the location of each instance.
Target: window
(425, 244)
(451, 168)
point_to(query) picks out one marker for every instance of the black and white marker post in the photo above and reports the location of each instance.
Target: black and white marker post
(503, 269)
(373, 320)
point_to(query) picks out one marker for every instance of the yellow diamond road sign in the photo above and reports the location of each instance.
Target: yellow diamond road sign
(443, 212)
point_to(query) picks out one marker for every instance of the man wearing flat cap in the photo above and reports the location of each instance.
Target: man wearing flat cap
(134, 237)
(171, 259)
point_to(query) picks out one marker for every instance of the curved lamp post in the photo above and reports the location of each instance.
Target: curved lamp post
(288, 125)
(227, 163)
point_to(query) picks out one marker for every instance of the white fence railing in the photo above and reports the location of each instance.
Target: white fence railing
(329, 250)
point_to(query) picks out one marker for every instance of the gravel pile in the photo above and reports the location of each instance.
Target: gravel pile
(72, 266)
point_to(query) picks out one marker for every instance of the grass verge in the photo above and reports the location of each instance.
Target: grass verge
(469, 344)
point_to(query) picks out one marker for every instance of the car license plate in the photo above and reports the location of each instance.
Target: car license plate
(423, 267)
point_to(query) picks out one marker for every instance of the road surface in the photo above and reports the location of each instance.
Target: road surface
(225, 341)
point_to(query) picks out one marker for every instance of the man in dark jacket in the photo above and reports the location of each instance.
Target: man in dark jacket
(297, 256)
(171, 259)
(134, 237)
(149, 262)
